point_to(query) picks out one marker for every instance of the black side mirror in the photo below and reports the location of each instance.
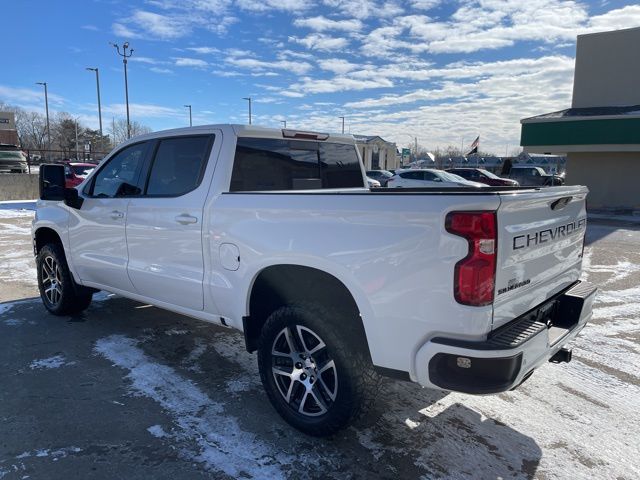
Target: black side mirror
(52, 181)
(52, 186)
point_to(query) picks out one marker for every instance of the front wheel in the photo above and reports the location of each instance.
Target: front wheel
(60, 294)
(315, 373)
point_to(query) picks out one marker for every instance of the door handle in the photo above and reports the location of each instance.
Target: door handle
(116, 214)
(186, 219)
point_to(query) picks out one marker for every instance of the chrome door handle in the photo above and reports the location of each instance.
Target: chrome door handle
(116, 214)
(185, 219)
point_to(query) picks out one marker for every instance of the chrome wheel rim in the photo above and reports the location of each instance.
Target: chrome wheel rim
(51, 280)
(304, 373)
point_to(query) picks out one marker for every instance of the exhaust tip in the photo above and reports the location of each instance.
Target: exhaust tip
(561, 356)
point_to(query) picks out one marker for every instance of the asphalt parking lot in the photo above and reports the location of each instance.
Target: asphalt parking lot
(126, 390)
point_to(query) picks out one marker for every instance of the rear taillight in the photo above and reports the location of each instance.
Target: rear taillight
(474, 277)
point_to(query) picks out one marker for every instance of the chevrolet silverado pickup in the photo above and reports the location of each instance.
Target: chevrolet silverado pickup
(274, 233)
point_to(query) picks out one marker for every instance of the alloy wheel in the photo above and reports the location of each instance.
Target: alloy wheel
(303, 371)
(51, 280)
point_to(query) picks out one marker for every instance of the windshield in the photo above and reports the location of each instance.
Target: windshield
(450, 177)
(82, 170)
(487, 173)
(11, 155)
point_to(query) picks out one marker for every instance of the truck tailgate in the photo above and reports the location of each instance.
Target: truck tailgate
(540, 242)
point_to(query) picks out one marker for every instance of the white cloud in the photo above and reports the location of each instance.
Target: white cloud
(625, 17)
(160, 26)
(29, 96)
(267, 5)
(161, 70)
(297, 67)
(318, 41)
(203, 50)
(190, 62)
(143, 110)
(147, 60)
(321, 24)
(90, 27)
(337, 65)
(123, 31)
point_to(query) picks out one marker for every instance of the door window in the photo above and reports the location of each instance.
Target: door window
(120, 176)
(178, 165)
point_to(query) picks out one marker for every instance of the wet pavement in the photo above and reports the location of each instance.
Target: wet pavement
(126, 390)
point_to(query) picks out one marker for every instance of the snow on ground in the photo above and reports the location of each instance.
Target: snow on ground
(16, 251)
(221, 443)
(56, 361)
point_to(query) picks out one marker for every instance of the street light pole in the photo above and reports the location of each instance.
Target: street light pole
(99, 106)
(77, 152)
(124, 56)
(284, 123)
(342, 124)
(46, 107)
(190, 121)
(249, 100)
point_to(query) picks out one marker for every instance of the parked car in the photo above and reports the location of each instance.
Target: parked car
(429, 178)
(483, 176)
(373, 183)
(12, 160)
(533, 176)
(467, 291)
(75, 173)
(381, 176)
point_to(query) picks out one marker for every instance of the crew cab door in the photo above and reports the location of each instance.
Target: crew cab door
(97, 230)
(164, 224)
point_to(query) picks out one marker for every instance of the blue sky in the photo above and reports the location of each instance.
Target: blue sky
(442, 70)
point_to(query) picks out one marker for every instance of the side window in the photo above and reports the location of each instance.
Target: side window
(178, 165)
(340, 166)
(430, 177)
(263, 164)
(121, 174)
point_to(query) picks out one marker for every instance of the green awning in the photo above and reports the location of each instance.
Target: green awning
(581, 131)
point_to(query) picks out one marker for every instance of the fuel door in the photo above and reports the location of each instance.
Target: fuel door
(229, 256)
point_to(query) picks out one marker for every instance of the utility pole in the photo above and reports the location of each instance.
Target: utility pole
(249, 100)
(190, 121)
(284, 123)
(124, 56)
(77, 153)
(101, 146)
(46, 107)
(416, 149)
(113, 130)
(342, 124)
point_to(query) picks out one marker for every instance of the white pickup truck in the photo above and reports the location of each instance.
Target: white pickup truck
(273, 232)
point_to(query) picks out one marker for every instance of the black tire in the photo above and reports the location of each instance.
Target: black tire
(67, 297)
(356, 382)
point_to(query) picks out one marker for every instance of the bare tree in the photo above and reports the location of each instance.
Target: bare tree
(118, 130)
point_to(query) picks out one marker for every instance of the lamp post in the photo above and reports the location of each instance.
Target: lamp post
(249, 100)
(46, 107)
(99, 106)
(124, 56)
(190, 121)
(284, 123)
(342, 124)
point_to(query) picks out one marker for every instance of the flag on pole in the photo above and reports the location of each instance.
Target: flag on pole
(474, 146)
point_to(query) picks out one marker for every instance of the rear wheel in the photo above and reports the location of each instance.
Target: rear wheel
(60, 294)
(316, 376)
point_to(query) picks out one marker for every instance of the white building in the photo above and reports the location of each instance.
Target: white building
(377, 153)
